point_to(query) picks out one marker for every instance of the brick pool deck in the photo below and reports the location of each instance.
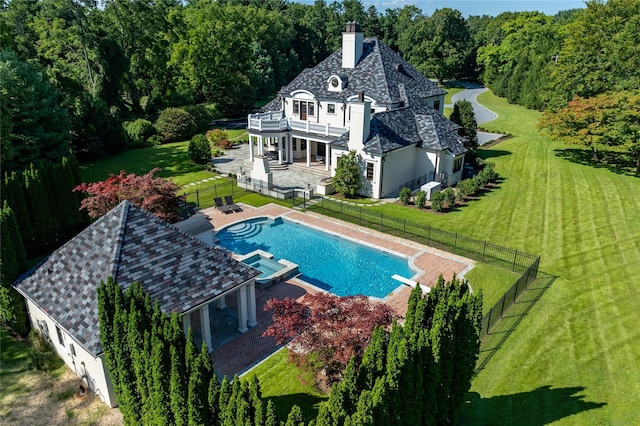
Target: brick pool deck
(249, 348)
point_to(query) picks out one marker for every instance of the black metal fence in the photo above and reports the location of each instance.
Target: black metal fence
(479, 250)
(483, 251)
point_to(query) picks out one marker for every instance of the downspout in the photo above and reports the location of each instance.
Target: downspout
(435, 171)
(381, 174)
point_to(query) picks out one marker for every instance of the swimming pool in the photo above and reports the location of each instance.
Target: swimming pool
(330, 262)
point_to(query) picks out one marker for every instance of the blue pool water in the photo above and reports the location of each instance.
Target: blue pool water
(335, 264)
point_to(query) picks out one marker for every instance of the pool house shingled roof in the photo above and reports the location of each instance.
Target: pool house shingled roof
(129, 244)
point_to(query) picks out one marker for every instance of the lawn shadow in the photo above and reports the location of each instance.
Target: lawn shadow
(494, 340)
(309, 404)
(540, 406)
(615, 162)
(491, 153)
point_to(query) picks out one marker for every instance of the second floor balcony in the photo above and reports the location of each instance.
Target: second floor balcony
(276, 121)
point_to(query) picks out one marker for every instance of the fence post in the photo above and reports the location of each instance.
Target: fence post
(304, 200)
(515, 257)
(489, 320)
(455, 244)
(360, 216)
(215, 190)
(429, 235)
(340, 210)
(502, 308)
(515, 293)
(197, 198)
(404, 229)
(484, 249)
(380, 221)
(322, 205)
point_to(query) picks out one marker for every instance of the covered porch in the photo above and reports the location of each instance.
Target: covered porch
(312, 151)
(216, 322)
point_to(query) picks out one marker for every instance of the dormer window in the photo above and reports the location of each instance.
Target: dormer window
(337, 83)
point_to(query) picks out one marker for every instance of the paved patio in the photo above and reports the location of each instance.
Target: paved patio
(244, 350)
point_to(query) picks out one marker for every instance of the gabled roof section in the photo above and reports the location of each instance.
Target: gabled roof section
(129, 244)
(419, 125)
(381, 73)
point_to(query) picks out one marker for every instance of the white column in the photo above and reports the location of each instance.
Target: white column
(260, 146)
(186, 323)
(242, 309)
(251, 300)
(327, 157)
(251, 148)
(281, 141)
(308, 153)
(221, 303)
(289, 149)
(206, 326)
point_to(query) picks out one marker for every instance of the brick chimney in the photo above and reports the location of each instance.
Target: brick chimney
(360, 122)
(352, 40)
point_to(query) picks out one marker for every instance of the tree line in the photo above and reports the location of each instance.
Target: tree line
(77, 73)
(418, 373)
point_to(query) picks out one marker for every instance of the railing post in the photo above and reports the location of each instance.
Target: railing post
(484, 249)
(515, 257)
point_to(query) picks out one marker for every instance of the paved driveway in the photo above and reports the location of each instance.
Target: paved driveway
(482, 113)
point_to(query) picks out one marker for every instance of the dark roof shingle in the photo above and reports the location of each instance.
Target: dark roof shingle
(130, 245)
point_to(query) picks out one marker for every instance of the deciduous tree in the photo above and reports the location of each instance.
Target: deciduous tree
(335, 328)
(156, 195)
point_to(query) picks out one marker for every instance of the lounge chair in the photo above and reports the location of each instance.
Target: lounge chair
(221, 206)
(233, 206)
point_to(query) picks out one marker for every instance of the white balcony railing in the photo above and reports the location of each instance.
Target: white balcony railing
(276, 121)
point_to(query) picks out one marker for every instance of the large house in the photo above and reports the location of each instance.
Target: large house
(363, 97)
(181, 272)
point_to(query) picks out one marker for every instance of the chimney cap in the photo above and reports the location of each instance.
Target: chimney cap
(353, 27)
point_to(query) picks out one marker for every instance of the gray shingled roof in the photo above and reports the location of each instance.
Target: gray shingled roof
(418, 125)
(130, 245)
(381, 74)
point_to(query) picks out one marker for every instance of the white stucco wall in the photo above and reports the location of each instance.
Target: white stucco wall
(399, 167)
(91, 369)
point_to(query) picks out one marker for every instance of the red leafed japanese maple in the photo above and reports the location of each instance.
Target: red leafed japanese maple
(156, 195)
(335, 328)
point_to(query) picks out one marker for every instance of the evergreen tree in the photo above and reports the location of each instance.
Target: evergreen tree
(223, 402)
(44, 224)
(295, 417)
(255, 395)
(199, 377)
(464, 116)
(271, 418)
(14, 193)
(374, 360)
(213, 397)
(348, 179)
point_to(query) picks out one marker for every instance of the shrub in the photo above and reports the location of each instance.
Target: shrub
(490, 171)
(199, 149)
(421, 199)
(41, 354)
(154, 140)
(449, 197)
(138, 132)
(482, 179)
(175, 124)
(219, 138)
(467, 187)
(437, 199)
(405, 195)
(347, 179)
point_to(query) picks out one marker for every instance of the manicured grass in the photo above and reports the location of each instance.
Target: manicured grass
(172, 159)
(575, 356)
(493, 282)
(287, 386)
(451, 90)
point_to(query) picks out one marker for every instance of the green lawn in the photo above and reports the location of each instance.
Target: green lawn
(172, 159)
(575, 356)
(493, 282)
(287, 386)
